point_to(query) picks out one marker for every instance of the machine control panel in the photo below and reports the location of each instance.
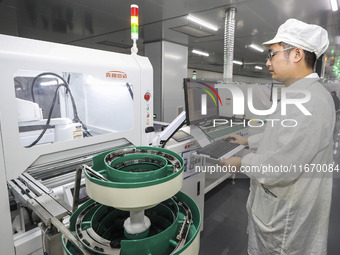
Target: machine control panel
(147, 97)
(192, 163)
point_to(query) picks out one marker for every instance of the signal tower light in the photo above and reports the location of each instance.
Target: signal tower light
(134, 27)
(134, 21)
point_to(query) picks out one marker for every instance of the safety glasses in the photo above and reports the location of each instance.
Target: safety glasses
(272, 54)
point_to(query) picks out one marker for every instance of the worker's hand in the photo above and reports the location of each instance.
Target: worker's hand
(232, 138)
(232, 163)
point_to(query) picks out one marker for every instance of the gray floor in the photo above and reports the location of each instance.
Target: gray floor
(225, 220)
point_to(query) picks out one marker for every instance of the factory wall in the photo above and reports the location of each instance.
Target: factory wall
(219, 76)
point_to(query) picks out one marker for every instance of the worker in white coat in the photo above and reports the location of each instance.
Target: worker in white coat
(290, 196)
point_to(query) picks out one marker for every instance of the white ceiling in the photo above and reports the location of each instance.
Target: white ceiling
(105, 24)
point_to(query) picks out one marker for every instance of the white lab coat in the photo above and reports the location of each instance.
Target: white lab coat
(295, 222)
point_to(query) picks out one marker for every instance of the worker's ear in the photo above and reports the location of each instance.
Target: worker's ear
(298, 54)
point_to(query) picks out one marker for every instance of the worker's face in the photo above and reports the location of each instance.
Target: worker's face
(280, 64)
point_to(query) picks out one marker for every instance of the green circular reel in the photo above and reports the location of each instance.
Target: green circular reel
(175, 221)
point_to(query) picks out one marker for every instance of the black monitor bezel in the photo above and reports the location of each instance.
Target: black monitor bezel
(199, 121)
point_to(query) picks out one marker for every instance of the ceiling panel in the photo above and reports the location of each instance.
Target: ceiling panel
(89, 23)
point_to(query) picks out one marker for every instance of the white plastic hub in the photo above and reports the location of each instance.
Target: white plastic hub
(137, 223)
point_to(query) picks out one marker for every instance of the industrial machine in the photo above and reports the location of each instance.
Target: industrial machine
(62, 106)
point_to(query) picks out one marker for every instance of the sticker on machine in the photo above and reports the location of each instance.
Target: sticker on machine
(116, 75)
(77, 134)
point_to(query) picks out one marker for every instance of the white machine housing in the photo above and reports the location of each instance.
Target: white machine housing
(105, 85)
(28, 111)
(102, 76)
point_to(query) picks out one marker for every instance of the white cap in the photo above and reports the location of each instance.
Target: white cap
(309, 37)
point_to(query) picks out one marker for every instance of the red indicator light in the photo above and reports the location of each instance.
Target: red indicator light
(147, 96)
(134, 10)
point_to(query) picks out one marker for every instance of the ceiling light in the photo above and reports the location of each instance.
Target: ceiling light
(202, 22)
(334, 5)
(256, 47)
(200, 53)
(236, 62)
(258, 67)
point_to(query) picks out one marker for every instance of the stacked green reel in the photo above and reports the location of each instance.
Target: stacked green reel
(136, 178)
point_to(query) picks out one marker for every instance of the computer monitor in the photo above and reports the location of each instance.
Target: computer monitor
(201, 101)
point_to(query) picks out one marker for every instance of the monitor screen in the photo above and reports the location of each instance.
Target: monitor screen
(201, 101)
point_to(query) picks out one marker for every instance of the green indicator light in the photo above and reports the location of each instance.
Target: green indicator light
(134, 29)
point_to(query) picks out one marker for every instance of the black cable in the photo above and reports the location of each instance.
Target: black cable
(130, 90)
(75, 112)
(48, 119)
